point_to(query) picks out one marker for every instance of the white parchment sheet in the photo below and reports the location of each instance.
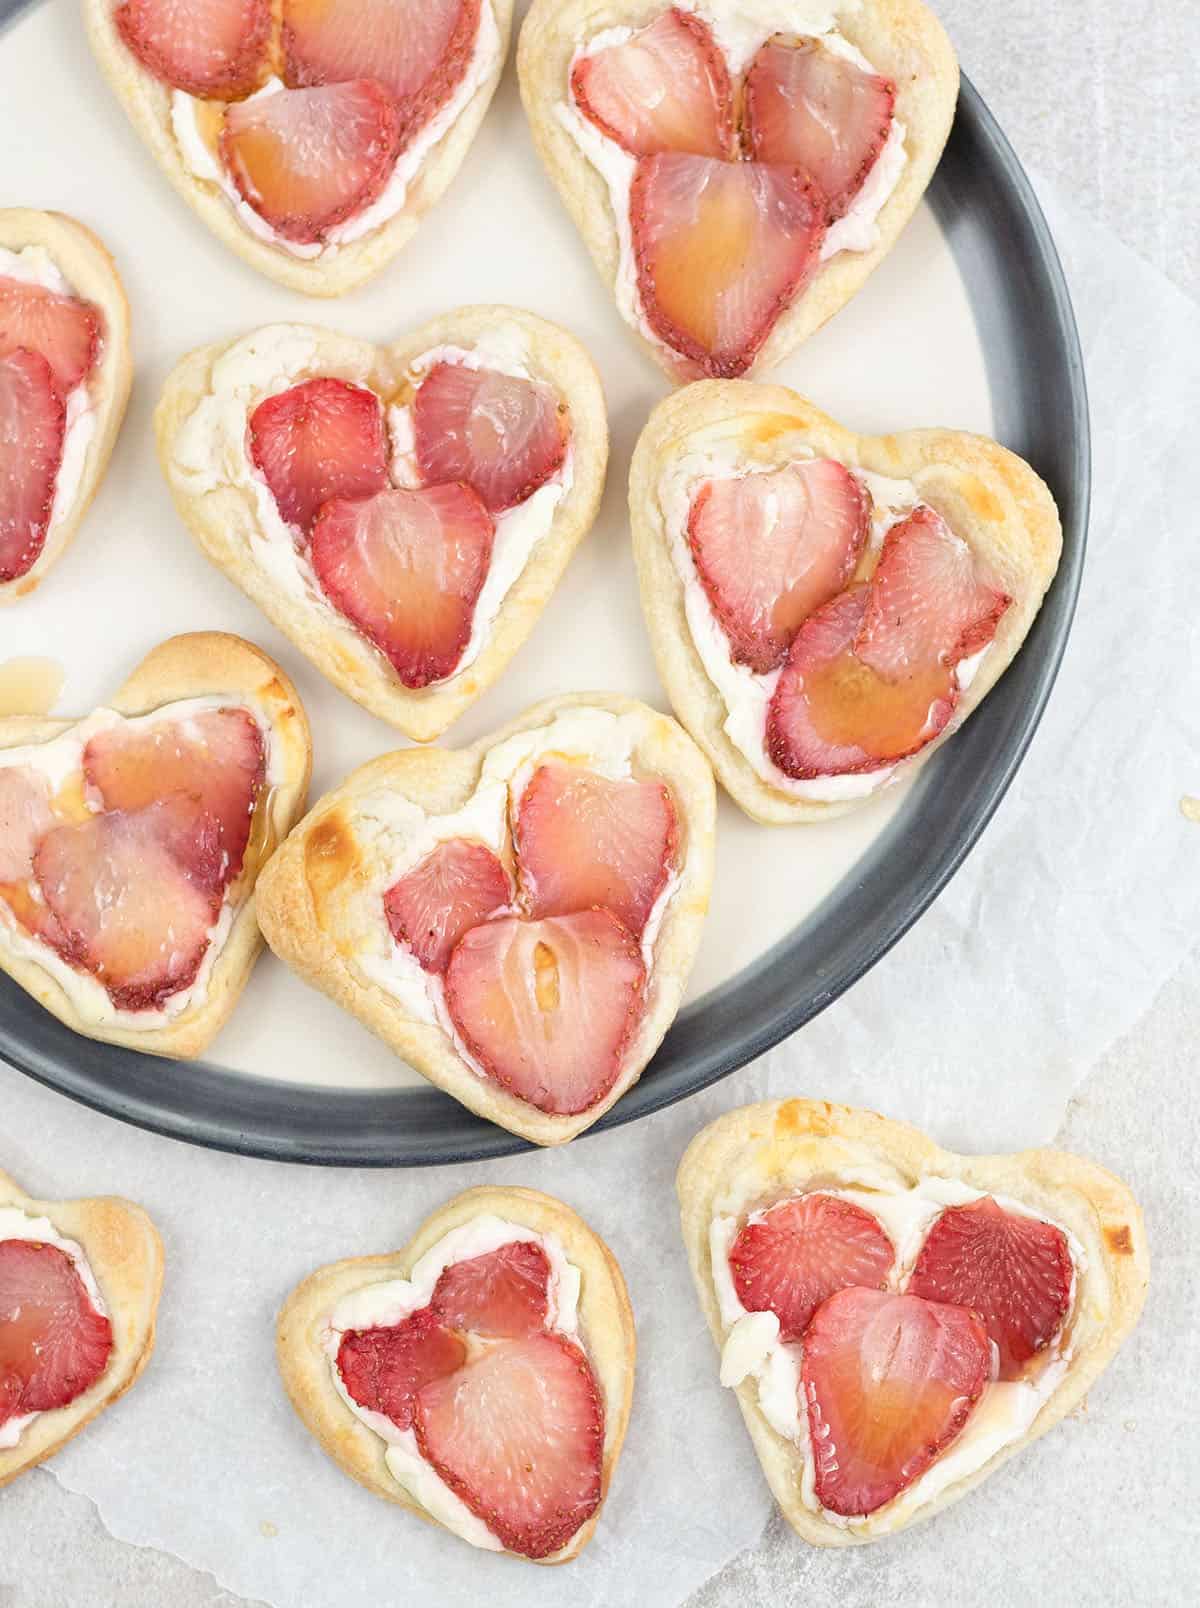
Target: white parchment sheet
(1076, 907)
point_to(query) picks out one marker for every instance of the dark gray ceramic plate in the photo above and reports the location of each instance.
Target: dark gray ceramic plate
(1004, 252)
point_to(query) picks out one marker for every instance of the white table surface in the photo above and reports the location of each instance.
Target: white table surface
(1100, 97)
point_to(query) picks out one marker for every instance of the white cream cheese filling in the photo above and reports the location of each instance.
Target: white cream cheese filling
(389, 1302)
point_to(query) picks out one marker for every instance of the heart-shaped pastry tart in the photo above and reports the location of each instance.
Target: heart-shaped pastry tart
(131, 840)
(736, 172)
(481, 1377)
(79, 1287)
(403, 513)
(311, 136)
(64, 381)
(826, 608)
(518, 919)
(897, 1320)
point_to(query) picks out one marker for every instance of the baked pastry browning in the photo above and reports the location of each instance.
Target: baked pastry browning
(736, 172)
(517, 919)
(827, 608)
(483, 432)
(54, 1248)
(499, 1287)
(131, 842)
(999, 1287)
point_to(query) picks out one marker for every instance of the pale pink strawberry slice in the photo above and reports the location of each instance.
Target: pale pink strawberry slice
(63, 329)
(772, 548)
(806, 104)
(789, 1259)
(722, 248)
(383, 1369)
(1015, 1271)
(889, 1381)
(456, 886)
(666, 88)
(212, 48)
(321, 439)
(32, 424)
(585, 840)
(500, 434)
(418, 50)
(25, 816)
(547, 1007)
(503, 1294)
(54, 1345)
(308, 159)
(518, 1434)
(406, 568)
(214, 760)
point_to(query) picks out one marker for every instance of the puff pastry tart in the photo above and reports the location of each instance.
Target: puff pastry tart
(130, 842)
(897, 1320)
(79, 1287)
(518, 919)
(64, 381)
(403, 513)
(481, 1377)
(736, 170)
(310, 135)
(827, 608)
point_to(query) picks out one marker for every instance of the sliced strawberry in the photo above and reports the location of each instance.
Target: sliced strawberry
(406, 568)
(455, 887)
(383, 1369)
(518, 1434)
(25, 816)
(547, 1007)
(319, 440)
(503, 1294)
(929, 603)
(212, 48)
(721, 249)
(805, 104)
(889, 1381)
(308, 159)
(1015, 1271)
(32, 424)
(63, 329)
(772, 548)
(792, 1257)
(664, 89)
(502, 435)
(54, 1345)
(418, 50)
(215, 760)
(585, 840)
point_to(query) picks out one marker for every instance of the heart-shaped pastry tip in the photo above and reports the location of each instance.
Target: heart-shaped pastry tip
(482, 1377)
(79, 1288)
(311, 138)
(64, 380)
(898, 1320)
(826, 608)
(403, 513)
(517, 920)
(736, 174)
(131, 841)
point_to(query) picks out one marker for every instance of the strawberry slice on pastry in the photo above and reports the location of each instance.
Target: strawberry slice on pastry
(457, 886)
(503, 1294)
(32, 427)
(54, 1344)
(318, 440)
(63, 329)
(384, 1369)
(214, 48)
(25, 816)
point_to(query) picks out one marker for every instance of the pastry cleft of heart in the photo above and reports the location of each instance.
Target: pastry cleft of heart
(898, 1320)
(131, 840)
(481, 1377)
(64, 381)
(404, 512)
(310, 135)
(736, 169)
(518, 919)
(79, 1287)
(826, 608)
